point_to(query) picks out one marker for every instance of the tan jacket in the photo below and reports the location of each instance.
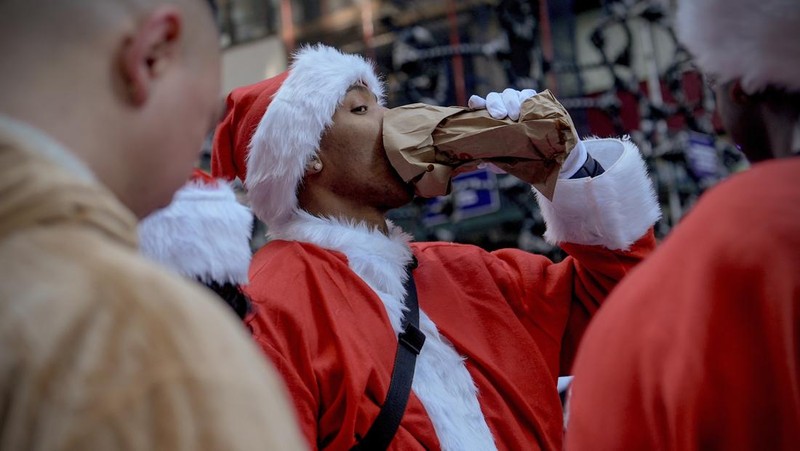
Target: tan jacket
(100, 349)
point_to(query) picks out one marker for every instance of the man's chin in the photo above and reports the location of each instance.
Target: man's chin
(399, 198)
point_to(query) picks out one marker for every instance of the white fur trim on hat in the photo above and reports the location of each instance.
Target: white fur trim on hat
(204, 233)
(613, 209)
(290, 131)
(757, 41)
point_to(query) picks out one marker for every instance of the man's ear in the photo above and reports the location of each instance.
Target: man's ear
(314, 165)
(149, 50)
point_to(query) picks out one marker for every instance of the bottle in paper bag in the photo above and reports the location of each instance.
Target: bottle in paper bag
(428, 144)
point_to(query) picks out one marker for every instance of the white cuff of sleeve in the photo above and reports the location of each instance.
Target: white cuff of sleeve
(613, 209)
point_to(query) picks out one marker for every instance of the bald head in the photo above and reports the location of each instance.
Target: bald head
(129, 86)
(41, 32)
(77, 20)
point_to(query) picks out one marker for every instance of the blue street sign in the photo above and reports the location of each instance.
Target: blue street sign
(474, 194)
(702, 157)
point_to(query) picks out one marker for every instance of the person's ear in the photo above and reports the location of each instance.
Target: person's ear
(149, 50)
(314, 165)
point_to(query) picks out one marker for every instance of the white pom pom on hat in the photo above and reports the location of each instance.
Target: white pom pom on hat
(757, 41)
(204, 233)
(272, 128)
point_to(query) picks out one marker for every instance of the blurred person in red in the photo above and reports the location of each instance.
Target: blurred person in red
(103, 108)
(698, 348)
(331, 290)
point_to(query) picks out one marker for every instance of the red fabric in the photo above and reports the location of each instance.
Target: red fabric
(698, 348)
(245, 108)
(516, 317)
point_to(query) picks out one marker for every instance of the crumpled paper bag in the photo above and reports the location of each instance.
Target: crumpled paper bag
(427, 144)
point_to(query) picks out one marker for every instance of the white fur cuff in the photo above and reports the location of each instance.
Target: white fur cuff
(613, 209)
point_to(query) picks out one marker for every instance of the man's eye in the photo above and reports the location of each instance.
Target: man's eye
(359, 109)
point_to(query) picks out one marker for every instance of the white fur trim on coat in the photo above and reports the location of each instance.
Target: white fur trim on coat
(290, 131)
(441, 380)
(204, 233)
(755, 40)
(613, 209)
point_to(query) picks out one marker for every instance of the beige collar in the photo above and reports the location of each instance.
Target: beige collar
(30, 138)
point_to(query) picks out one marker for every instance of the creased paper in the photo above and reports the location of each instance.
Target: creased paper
(427, 145)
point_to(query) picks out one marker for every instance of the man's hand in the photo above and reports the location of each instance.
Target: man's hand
(507, 104)
(501, 105)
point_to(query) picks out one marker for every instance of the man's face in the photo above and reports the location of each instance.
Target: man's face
(354, 160)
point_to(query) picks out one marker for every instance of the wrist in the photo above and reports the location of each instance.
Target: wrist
(580, 164)
(590, 168)
(574, 161)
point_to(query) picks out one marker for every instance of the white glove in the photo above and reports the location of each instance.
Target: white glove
(500, 105)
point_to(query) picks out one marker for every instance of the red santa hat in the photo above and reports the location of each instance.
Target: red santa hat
(757, 41)
(273, 128)
(204, 233)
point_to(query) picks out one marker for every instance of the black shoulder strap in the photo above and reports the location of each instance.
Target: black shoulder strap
(409, 345)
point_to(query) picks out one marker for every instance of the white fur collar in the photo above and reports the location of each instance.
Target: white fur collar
(379, 260)
(441, 380)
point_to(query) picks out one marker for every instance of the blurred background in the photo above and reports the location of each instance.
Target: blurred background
(614, 64)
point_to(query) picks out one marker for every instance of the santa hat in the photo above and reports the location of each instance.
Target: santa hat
(273, 128)
(757, 41)
(204, 233)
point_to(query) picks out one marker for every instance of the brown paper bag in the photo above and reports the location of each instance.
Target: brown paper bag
(426, 144)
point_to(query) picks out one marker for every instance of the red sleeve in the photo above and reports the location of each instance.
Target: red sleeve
(556, 301)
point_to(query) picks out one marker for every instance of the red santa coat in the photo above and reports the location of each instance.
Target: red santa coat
(500, 327)
(698, 349)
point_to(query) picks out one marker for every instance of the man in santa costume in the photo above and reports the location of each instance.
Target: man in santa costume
(328, 289)
(699, 348)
